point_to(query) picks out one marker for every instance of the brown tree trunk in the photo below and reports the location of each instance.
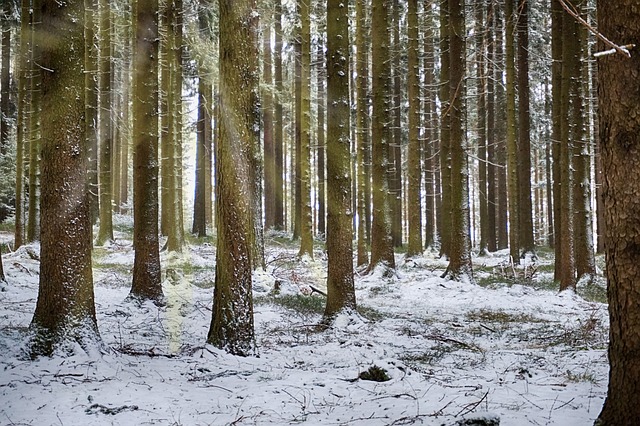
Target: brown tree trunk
(430, 126)
(620, 147)
(459, 254)
(512, 142)
(414, 214)
(362, 128)
(304, 153)
(480, 47)
(445, 149)
(278, 123)
(341, 294)
(492, 199)
(267, 125)
(33, 217)
(146, 266)
(556, 119)
(381, 237)
(525, 209)
(105, 232)
(232, 320)
(395, 153)
(65, 310)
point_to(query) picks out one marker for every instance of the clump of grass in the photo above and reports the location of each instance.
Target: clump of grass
(305, 305)
(500, 317)
(582, 377)
(375, 374)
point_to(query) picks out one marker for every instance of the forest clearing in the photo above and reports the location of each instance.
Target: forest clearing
(512, 348)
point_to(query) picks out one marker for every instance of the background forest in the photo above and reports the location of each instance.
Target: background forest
(297, 157)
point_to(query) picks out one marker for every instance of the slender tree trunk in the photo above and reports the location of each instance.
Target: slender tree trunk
(512, 143)
(362, 127)
(341, 294)
(146, 266)
(414, 155)
(105, 232)
(232, 321)
(395, 154)
(381, 235)
(583, 235)
(492, 199)
(65, 312)
(500, 129)
(304, 153)
(525, 209)
(620, 142)
(321, 142)
(278, 122)
(445, 141)
(482, 129)
(33, 217)
(267, 125)
(556, 118)
(566, 260)
(5, 91)
(430, 120)
(23, 69)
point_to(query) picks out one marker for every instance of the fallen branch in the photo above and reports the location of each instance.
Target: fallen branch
(472, 406)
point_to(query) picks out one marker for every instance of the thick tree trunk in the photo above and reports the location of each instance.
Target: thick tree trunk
(444, 228)
(619, 93)
(65, 312)
(232, 321)
(459, 254)
(381, 235)
(340, 287)
(146, 267)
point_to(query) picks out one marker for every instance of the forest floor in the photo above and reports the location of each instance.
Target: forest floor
(507, 346)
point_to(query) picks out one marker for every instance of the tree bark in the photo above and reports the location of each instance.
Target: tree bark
(381, 236)
(362, 127)
(618, 94)
(146, 267)
(340, 286)
(525, 209)
(459, 254)
(65, 311)
(105, 232)
(232, 320)
(414, 155)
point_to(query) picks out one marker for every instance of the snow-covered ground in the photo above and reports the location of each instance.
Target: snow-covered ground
(523, 353)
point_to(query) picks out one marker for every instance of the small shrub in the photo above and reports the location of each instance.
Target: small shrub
(375, 374)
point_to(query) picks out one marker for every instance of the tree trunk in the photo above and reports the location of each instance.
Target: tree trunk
(492, 199)
(459, 254)
(267, 124)
(500, 130)
(585, 261)
(445, 141)
(395, 154)
(362, 127)
(5, 91)
(65, 311)
(278, 123)
(482, 129)
(430, 132)
(525, 209)
(23, 70)
(414, 214)
(146, 267)
(381, 238)
(304, 160)
(620, 147)
(556, 123)
(105, 232)
(232, 321)
(566, 260)
(512, 143)
(33, 217)
(341, 294)
(321, 77)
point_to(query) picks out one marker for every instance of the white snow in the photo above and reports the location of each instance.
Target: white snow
(521, 353)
